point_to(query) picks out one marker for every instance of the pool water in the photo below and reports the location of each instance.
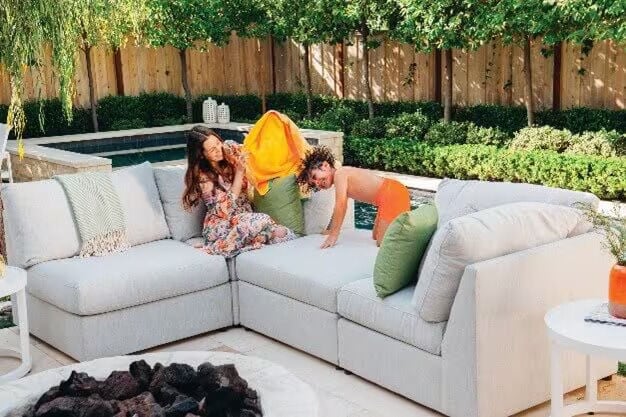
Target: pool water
(365, 214)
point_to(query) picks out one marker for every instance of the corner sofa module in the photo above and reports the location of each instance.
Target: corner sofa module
(289, 291)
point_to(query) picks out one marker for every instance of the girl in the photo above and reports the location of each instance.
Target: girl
(216, 177)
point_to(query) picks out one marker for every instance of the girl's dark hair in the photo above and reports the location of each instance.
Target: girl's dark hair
(199, 169)
(313, 160)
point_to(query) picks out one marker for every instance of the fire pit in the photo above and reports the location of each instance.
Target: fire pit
(180, 384)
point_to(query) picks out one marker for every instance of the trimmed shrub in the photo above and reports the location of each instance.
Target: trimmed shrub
(583, 119)
(340, 118)
(370, 128)
(542, 138)
(447, 133)
(601, 143)
(605, 177)
(479, 135)
(54, 121)
(125, 124)
(242, 108)
(409, 125)
(507, 119)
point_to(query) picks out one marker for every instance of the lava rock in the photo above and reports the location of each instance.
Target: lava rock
(181, 406)
(93, 406)
(143, 405)
(97, 407)
(142, 372)
(79, 385)
(165, 394)
(48, 396)
(120, 385)
(229, 378)
(208, 377)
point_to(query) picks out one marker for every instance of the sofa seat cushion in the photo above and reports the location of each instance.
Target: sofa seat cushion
(393, 316)
(299, 269)
(143, 274)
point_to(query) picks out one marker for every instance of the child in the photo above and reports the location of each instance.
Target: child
(390, 196)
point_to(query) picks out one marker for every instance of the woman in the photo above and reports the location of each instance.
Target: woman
(216, 177)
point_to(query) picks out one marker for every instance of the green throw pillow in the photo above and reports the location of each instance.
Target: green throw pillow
(282, 203)
(402, 249)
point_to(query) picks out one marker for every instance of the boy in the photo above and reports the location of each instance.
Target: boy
(390, 196)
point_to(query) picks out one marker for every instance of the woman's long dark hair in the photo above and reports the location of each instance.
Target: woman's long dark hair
(199, 169)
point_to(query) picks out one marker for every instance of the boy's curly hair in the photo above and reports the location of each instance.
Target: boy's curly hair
(314, 159)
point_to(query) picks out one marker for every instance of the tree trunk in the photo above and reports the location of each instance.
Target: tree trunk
(366, 71)
(528, 84)
(307, 80)
(92, 89)
(447, 99)
(182, 53)
(262, 78)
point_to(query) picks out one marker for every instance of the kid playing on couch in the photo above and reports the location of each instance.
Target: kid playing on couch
(390, 196)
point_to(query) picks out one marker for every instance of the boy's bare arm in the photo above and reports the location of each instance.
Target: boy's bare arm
(341, 207)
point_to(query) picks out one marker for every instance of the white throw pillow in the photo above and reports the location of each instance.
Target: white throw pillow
(484, 235)
(318, 210)
(457, 198)
(145, 220)
(183, 224)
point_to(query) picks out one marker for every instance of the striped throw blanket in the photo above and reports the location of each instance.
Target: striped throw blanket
(97, 212)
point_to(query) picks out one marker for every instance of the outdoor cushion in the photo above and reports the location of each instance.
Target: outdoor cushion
(183, 224)
(299, 269)
(38, 222)
(455, 198)
(318, 210)
(484, 235)
(402, 249)
(282, 203)
(143, 212)
(394, 316)
(143, 274)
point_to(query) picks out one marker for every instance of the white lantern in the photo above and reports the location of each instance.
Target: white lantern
(209, 110)
(223, 113)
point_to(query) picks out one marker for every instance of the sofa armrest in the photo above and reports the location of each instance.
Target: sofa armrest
(496, 341)
(318, 210)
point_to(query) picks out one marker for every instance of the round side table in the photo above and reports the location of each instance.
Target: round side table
(14, 284)
(567, 329)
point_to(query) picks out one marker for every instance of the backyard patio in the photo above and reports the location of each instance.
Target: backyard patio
(320, 208)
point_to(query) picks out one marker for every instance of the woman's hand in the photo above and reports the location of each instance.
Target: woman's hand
(236, 158)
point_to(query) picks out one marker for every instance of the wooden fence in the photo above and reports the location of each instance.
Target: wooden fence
(565, 77)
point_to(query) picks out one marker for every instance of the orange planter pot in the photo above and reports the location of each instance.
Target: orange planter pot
(617, 291)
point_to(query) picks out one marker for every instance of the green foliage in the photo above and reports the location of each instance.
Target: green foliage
(601, 143)
(583, 119)
(480, 135)
(542, 138)
(127, 124)
(593, 19)
(431, 109)
(507, 119)
(339, 118)
(370, 128)
(605, 177)
(409, 125)
(447, 133)
(243, 107)
(612, 226)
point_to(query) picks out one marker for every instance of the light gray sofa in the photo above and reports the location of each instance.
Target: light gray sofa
(488, 358)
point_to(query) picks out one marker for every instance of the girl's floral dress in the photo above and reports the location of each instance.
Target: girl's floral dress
(230, 225)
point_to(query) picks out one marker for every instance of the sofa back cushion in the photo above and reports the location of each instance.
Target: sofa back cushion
(183, 225)
(38, 223)
(484, 235)
(318, 210)
(457, 198)
(143, 212)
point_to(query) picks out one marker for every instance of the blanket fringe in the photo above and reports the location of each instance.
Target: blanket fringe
(108, 243)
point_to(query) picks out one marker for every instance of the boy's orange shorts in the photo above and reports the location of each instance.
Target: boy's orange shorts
(392, 199)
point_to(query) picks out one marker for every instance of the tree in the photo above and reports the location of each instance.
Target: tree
(446, 25)
(26, 26)
(592, 20)
(366, 18)
(520, 22)
(186, 24)
(308, 22)
(105, 23)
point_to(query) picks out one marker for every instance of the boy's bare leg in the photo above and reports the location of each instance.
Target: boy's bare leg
(380, 233)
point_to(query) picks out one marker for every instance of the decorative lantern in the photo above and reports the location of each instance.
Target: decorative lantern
(223, 113)
(209, 110)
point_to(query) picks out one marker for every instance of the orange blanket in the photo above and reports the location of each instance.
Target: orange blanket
(274, 149)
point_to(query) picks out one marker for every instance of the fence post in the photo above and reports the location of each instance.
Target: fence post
(556, 76)
(119, 75)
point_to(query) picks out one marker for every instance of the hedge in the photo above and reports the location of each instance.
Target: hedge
(605, 177)
(157, 109)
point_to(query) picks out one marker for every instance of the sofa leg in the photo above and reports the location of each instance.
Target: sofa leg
(608, 378)
(338, 368)
(345, 371)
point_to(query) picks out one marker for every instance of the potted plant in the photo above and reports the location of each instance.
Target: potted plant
(613, 227)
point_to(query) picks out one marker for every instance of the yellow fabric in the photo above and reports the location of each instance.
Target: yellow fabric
(274, 149)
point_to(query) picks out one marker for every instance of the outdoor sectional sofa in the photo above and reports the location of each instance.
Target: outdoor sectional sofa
(489, 358)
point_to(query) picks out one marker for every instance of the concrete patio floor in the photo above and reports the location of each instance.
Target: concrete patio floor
(339, 395)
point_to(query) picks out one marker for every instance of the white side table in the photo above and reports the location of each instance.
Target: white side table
(14, 284)
(568, 330)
